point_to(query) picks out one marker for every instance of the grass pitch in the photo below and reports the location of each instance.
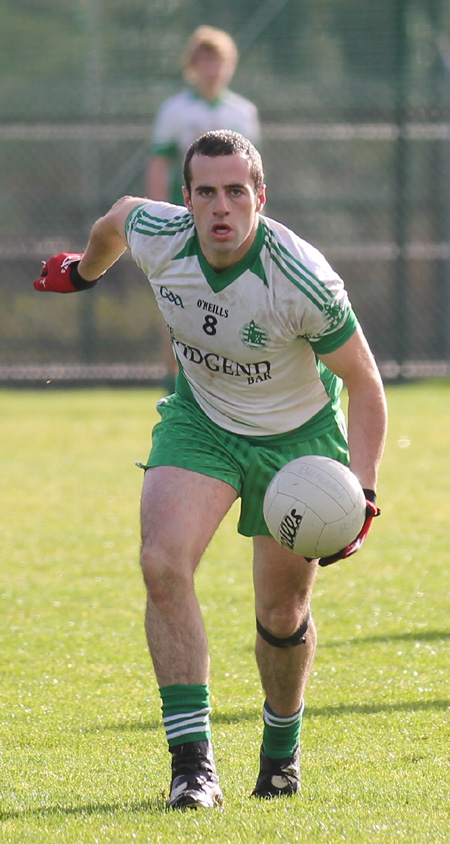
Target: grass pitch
(83, 756)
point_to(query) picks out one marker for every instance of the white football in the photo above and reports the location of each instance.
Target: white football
(314, 506)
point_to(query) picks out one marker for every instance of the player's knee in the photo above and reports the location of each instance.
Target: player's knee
(165, 577)
(284, 632)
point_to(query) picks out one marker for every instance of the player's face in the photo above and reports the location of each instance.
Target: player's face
(211, 73)
(225, 206)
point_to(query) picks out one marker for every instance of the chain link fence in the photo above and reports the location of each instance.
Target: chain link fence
(354, 105)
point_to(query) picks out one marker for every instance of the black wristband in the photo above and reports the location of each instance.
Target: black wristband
(370, 495)
(78, 282)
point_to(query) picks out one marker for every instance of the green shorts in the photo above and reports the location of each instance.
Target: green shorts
(186, 438)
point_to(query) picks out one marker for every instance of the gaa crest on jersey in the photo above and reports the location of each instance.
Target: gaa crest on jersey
(254, 336)
(172, 297)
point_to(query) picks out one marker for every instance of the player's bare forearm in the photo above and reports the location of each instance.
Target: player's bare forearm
(103, 250)
(367, 421)
(107, 241)
(367, 412)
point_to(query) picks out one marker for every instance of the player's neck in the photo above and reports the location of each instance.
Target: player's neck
(210, 94)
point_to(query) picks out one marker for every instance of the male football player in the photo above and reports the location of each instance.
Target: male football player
(265, 336)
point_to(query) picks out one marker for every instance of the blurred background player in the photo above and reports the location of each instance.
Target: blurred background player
(206, 103)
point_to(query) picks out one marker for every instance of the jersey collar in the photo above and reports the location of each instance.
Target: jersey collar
(210, 103)
(252, 259)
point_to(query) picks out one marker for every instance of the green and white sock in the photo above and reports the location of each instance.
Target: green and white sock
(186, 712)
(281, 735)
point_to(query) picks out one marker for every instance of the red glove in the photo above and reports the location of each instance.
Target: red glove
(60, 274)
(371, 512)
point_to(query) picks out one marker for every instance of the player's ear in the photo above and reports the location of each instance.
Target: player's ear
(261, 199)
(187, 199)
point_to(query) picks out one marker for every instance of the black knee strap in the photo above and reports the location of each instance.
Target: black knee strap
(297, 638)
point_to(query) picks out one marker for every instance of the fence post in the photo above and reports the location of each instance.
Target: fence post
(439, 176)
(90, 187)
(401, 173)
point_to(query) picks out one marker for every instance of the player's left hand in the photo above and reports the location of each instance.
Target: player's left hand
(371, 512)
(60, 274)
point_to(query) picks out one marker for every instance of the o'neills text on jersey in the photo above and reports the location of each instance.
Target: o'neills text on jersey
(253, 372)
(212, 308)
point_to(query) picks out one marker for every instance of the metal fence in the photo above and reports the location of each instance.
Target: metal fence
(354, 104)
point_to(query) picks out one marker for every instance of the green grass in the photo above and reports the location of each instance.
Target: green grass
(83, 755)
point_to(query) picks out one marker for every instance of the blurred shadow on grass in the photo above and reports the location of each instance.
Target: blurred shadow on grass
(410, 636)
(147, 726)
(255, 714)
(376, 708)
(156, 805)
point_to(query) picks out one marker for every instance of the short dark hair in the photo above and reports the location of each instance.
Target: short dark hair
(224, 142)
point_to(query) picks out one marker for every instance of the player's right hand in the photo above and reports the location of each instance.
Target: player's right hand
(372, 511)
(60, 274)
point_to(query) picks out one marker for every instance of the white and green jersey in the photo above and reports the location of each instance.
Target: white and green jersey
(186, 116)
(247, 338)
